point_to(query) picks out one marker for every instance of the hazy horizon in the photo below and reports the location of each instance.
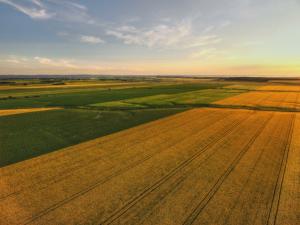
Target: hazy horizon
(139, 37)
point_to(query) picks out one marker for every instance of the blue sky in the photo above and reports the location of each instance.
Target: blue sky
(216, 37)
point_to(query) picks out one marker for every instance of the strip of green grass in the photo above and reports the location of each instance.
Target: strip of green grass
(29, 135)
(193, 98)
(99, 96)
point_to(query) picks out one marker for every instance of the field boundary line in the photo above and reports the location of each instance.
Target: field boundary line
(272, 215)
(255, 108)
(203, 203)
(247, 180)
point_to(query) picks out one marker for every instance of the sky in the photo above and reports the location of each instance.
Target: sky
(157, 37)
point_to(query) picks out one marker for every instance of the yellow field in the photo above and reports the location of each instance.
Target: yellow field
(203, 166)
(288, 99)
(6, 112)
(288, 207)
(295, 88)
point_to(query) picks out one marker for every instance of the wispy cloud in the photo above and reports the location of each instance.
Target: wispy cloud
(55, 62)
(16, 59)
(62, 33)
(52, 9)
(165, 35)
(250, 43)
(204, 40)
(225, 23)
(34, 8)
(156, 36)
(204, 53)
(209, 53)
(91, 40)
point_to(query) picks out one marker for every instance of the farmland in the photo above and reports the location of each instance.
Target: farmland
(280, 100)
(85, 96)
(169, 152)
(192, 98)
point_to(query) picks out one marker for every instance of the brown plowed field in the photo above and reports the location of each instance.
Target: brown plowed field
(7, 112)
(287, 100)
(203, 166)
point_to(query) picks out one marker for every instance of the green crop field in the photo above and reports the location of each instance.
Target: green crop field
(28, 135)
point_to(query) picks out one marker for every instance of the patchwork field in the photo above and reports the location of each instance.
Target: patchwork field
(142, 176)
(84, 96)
(193, 98)
(205, 152)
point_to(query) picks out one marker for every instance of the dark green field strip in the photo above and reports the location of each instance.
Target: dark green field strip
(32, 92)
(98, 96)
(29, 135)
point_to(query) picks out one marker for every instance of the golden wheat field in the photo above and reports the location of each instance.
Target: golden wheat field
(280, 88)
(286, 100)
(202, 166)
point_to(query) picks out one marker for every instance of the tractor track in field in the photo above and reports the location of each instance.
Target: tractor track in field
(193, 216)
(272, 215)
(174, 184)
(162, 180)
(153, 187)
(247, 181)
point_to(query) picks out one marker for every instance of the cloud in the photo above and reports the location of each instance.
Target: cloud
(211, 53)
(203, 41)
(208, 29)
(174, 36)
(16, 59)
(55, 63)
(204, 53)
(250, 43)
(166, 35)
(225, 23)
(91, 39)
(62, 10)
(156, 36)
(62, 33)
(34, 9)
